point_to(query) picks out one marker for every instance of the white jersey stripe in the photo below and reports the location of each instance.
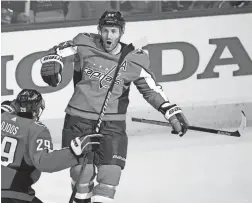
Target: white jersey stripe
(151, 83)
(69, 51)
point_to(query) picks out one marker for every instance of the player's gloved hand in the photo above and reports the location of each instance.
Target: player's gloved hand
(8, 106)
(52, 65)
(175, 116)
(51, 70)
(83, 145)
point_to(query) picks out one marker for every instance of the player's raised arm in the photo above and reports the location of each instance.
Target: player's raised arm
(153, 93)
(54, 59)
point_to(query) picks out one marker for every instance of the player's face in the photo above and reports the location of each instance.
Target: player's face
(110, 37)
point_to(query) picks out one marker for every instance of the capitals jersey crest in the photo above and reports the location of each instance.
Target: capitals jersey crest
(105, 77)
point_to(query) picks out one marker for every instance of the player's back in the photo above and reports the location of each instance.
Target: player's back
(18, 172)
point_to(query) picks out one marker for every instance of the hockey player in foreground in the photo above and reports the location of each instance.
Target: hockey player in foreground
(95, 57)
(27, 148)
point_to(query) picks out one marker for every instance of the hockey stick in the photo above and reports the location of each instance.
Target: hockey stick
(236, 133)
(126, 50)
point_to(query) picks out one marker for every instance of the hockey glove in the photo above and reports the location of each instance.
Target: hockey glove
(51, 70)
(8, 106)
(52, 65)
(175, 116)
(83, 145)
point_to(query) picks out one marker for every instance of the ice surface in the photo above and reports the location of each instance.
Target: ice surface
(163, 168)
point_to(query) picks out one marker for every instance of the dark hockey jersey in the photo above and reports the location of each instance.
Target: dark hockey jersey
(26, 152)
(95, 68)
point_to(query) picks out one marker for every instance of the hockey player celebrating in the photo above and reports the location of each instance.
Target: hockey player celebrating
(95, 57)
(27, 148)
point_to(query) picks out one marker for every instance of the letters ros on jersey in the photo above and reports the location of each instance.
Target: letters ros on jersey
(191, 58)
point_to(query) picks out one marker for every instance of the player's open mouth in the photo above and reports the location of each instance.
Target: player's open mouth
(108, 42)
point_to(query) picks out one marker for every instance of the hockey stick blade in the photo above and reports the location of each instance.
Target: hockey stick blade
(236, 133)
(126, 50)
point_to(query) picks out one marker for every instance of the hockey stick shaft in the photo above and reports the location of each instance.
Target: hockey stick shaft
(83, 166)
(124, 53)
(195, 128)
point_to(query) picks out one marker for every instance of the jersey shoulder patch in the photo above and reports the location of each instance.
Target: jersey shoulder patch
(139, 52)
(87, 34)
(139, 58)
(40, 124)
